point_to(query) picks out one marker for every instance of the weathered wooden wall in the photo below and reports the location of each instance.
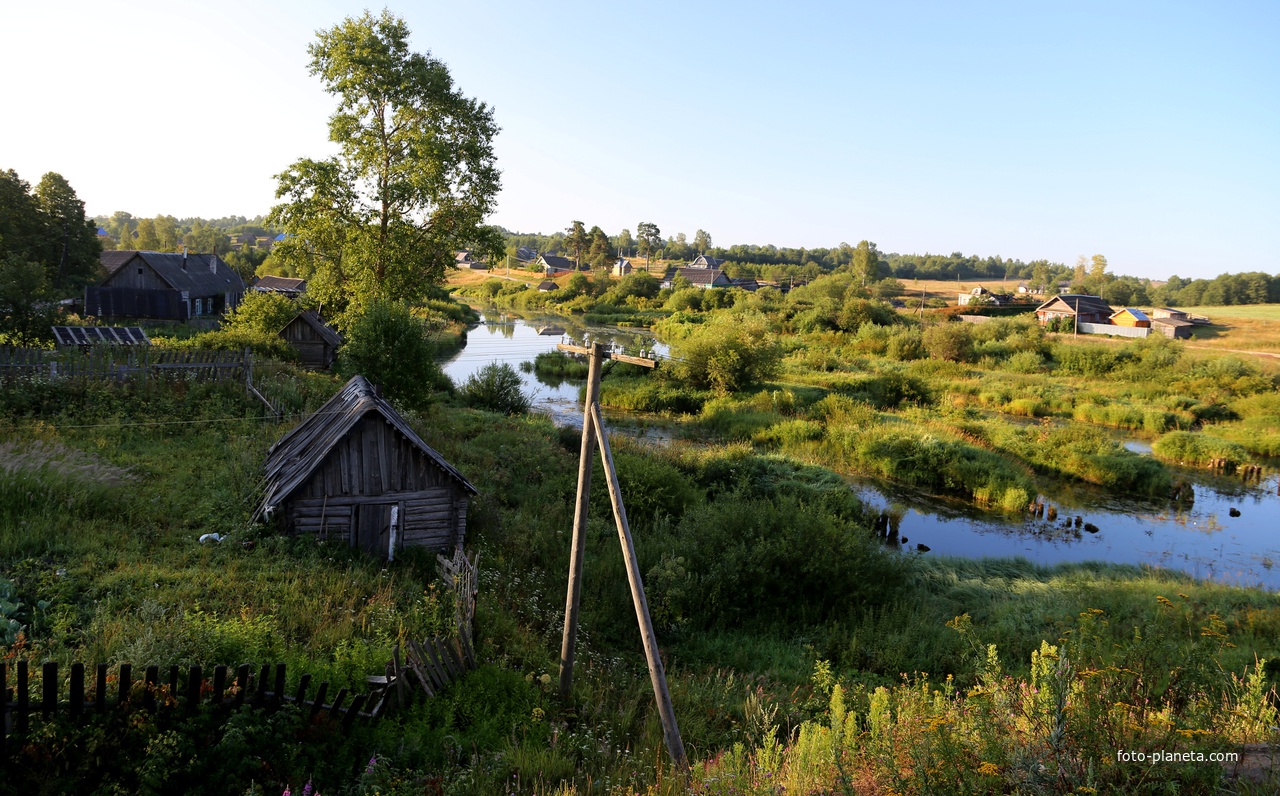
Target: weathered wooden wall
(374, 465)
(313, 350)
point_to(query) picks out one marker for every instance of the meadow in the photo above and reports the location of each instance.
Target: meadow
(802, 653)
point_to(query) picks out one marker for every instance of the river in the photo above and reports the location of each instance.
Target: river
(1201, 539)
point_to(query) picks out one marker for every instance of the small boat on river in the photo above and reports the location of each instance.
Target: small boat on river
(551, 331)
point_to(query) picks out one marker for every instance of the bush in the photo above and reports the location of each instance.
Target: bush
(496, 387)
(390, 347)
(261, 313)
(952, 342)
(727, 354)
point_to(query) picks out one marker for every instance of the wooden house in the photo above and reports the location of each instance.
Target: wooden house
(355, 472)
(698, 277)
(169, 286)
(553, 265)
(546, 286)
(703, 261)
(1169, 312)
(1085, 309)
(1130, 316)
(317, 344)
(622, 267)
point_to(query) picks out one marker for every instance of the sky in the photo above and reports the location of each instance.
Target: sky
(1147, 132)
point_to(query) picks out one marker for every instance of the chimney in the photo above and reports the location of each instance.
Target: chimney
(213, 263)
(184, 258)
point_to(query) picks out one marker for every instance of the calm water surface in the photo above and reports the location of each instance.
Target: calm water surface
(1202, 539)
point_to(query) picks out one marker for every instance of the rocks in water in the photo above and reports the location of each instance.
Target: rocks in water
(1079, 520)
(1183, 492)
(1233, 511)
(1090, 527)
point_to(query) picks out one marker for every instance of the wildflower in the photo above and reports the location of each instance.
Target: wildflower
(286, 791)
(545, 679)
(988, 769)
(306, 790)
(373, 761)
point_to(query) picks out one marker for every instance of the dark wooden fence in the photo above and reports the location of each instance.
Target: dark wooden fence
(103, 363)
(93, 692)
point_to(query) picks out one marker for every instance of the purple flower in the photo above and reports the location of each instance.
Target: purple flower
(306, 790)
(286, 791)
(373, 761)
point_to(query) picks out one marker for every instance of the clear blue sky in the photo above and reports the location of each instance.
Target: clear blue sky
(1148, 132)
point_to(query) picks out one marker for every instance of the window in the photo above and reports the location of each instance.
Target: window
(139, 269)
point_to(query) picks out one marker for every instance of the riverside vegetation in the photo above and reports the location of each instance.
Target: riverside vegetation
(804, 657)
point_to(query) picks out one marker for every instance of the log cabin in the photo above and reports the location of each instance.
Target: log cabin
(356, 473)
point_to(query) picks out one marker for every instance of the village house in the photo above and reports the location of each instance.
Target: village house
(622, 267)
(284, 285)
(466, 259)
(553, 265)
(526, 255)
(546, 286)
(356, 473)
(980, 295)
(1082, 309)
(698, 277)
(165, 286)
(316, 343)
(703, 261)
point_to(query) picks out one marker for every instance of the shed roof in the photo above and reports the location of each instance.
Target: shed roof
(1174, 322)
(198, 274)
(547, 285)
(323, 329)
(292, 460)
(703, 261)
(280, 284)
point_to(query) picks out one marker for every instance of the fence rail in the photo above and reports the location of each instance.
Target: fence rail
(93, 692)
(100, 363)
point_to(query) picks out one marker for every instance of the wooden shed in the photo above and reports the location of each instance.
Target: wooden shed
(1130, 316)
(354, 471)
(316, 344)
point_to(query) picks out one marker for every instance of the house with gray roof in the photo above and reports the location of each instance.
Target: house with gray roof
(164, 285)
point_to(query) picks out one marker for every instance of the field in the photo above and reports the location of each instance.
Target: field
(796, 642)
(1242, 327)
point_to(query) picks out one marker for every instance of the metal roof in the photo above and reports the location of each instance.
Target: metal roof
(298, 453)
(1136, 313)
(280, 284)
(91, 335)
(1080, 303)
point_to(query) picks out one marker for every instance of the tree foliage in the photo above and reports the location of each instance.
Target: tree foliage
(48, 227)
(389, 347)
(413, 180)
(728, 353)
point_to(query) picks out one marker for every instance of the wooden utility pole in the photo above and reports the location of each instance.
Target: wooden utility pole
(593, 435)
(570, 641)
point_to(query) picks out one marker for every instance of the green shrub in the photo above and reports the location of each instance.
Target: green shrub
(496, 387)
(390, 347)
(951, 342)
(728, 353)
(262, 313)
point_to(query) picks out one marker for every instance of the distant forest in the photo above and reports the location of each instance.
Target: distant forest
(245, 244)
(1087, 275)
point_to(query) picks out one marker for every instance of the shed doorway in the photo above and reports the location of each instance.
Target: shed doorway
(377, 527)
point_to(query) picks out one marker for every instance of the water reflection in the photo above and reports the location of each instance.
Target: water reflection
(513, 340)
